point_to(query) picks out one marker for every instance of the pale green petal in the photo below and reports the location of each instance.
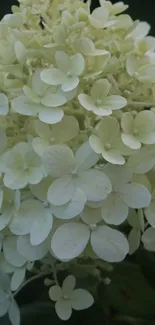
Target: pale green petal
(53, 100)
(108, 130)
(91, 216)
(114, 102)
(144, 121)
(81, 299)
(87, 47)
(114, 210)
(51, 115)
(85, 157)
(63, 61)
(70, 83)
(136, 196)
(55, 293)
(38, 86)
(5, 217)
(71, 209)
(77, 64)
(70, 240)
(113, 156)
(4, 104)
(31, 94)
(102, 111)
(147, 73)
(99, 17)
(35, 175)
(43, 130)
(14, 313)
(66, 129)
(69, 284)
(61, 191)
(39, 145)
(95, 184)
(96, 144)
(134, 240)
(15, 180)
(52, 76)
(24, 106)
(63, 309)
(148, 239)
(109, 244)
(58, 160)
(40, 190)
(87, 102)
(127, 123)
(31, 253)
(100, 89)
(131, 141)
(118, 174)
(147, 138)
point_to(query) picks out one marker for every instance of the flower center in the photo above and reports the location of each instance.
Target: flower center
(135, 132)
(52, 139)
(107, 146)
(92, 227)
(98, 102)
(66, 297)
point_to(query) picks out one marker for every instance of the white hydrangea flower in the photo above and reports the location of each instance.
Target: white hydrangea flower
(124, 195)
(73, 173)
(101, 18)
(39, 99)
(107, 141)
(140, 129)
(70, 239)
(22, 166)
(7, 302)
(68, 72)
(142, 69)
(99, 101)
(62, 132)
(68, 298)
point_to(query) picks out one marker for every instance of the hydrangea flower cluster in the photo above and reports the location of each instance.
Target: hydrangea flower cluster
(77, 137)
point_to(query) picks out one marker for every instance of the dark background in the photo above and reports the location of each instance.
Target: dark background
(139, 9)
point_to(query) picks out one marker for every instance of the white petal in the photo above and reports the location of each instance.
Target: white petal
(136, 196)
(99, 17)
(134, 240)
(86, 101)
(148, 239)
(81, 299)
(63, 309)
(55, 293)
(58, 160)
(15, 180)
(85, 157)
(52, 76)
(61, 191)
(95, 184)
(127, 123)
(40, 190)
(115, 102)
(114, 210)
(51, 115)
(63, 61)
(70, 240)
(41, 227)
(150, 214)
(118, 174)
(143, 160)
(31, 253)
(69, 284)
(147, 138)
(109, 244)
(130, 141)
(113, 156)
(4, 104)
(53, 100)
(4, 306)
(71, 209)
(11, 253)
(14, 313)
(22, 222)
(70, 83)
(77, 62)
(17, 278)
(39, 145)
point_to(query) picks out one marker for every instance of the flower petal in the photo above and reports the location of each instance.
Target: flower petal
(55, 293)
(11, 253)
(51, 115)
(63, 309)
(114, 210)
(52, 76)
(4, 104)
(85, 157)
(81, 299)
(70, 240)
(31, 253)
(23, 105)
(41, 227)
(70, 83)
(130, 141)
(109, 244)
(69, 284)
(136, 196)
